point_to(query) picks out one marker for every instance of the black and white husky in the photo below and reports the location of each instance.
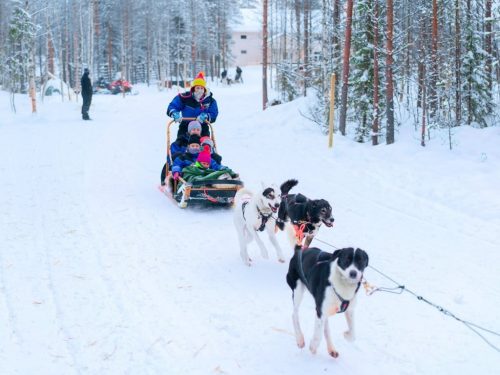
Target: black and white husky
(333, 280)
(253, 214)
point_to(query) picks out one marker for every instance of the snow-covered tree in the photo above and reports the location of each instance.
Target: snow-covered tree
(19, 62)
(476, 95)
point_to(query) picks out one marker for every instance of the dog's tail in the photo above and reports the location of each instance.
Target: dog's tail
(240, 194)
(287, 186)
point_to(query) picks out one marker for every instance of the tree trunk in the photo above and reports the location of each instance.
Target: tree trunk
(306, 44)
(264, 55)
(424, 104)
(97, 38)
(336, 39)
(31, 76)
(488, 47)
(109, 52)
(345, 68)
(470, 72)
(76, 50)
(193, 41)
(297, 34)
(51, 54)
(375, 76)
(389, 61)
(433, 102)
(458, 58)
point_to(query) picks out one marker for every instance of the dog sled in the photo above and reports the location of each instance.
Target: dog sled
(218, 192)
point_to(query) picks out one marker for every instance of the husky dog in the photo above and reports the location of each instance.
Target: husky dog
(333, 280)
(307, 214)
(252, 214)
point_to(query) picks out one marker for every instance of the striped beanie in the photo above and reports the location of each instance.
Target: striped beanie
(199, 81)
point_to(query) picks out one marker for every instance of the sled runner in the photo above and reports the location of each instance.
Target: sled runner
(208, 192)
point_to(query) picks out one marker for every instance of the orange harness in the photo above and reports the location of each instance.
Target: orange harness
(299, 231)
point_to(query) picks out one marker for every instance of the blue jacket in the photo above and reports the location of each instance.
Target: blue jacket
(183, 161)
(190, 107)
(179, 146)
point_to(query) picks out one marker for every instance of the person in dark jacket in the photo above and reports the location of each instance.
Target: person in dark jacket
(197, 102)
(238, 77)
(86, 94)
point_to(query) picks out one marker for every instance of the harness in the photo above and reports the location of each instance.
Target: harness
(301, 226)
(344, 303)
(264, 218)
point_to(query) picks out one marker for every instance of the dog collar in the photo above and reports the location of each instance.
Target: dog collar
(344, 303)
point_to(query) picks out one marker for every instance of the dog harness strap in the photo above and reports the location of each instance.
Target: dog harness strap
(243, 209)
(265, 218)
(344, 303)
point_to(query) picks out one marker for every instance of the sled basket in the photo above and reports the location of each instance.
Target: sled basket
(218, 192)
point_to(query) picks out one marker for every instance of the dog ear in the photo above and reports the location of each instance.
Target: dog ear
(364, 256)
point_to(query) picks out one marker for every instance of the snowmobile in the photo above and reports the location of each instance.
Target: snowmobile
(208, 192)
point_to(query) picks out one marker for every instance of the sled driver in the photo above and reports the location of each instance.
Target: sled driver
(198, 102)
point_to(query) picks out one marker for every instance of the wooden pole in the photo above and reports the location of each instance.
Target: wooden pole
(332, 109)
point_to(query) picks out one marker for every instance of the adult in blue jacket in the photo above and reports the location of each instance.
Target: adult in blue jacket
(196, 103)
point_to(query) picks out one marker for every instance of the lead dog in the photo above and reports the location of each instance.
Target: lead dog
(306, 215)
(333, 280)
(253, 214)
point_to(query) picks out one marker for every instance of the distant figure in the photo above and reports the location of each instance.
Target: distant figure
(86, 94)
(238, 77)
(225, 78)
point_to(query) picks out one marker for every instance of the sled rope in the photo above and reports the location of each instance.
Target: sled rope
(399, 289)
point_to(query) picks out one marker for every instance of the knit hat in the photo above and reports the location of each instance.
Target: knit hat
(193, 125)
(199, 81)
(207, 141)
(204, 157)
(193, 138)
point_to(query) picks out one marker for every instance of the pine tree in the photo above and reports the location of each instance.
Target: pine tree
(475, 85)
(20, 49)
(362, 74)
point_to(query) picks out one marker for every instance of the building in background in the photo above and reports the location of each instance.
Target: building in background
(246, 47)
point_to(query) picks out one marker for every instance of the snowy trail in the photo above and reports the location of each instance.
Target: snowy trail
(100, 273)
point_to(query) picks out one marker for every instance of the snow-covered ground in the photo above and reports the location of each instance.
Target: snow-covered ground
(101, 274)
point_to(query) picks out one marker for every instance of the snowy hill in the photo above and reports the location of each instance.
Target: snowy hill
(101, 274)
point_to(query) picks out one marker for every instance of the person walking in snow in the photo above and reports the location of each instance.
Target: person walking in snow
(86, 94)
(197, 102)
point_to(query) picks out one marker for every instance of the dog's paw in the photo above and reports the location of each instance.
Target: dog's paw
(349, 336)
(281, 260)
(301, 342)
(333, 353)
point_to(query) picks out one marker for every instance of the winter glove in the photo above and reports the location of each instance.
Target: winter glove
(202, 117)
(176, 176)
(176, 116)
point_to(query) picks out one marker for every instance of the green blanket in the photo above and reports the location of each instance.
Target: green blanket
(194, 173)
